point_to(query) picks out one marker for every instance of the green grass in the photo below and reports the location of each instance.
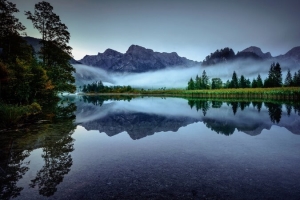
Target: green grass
(290, 93)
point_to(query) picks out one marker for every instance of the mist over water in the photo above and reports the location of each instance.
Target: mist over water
(178, 77)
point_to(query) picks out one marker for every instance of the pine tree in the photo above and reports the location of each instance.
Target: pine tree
(55, 52)
(191, 84)
(254, 83)
(242, 82)
(234, 81)
(277, 75)
(205, 80)
(288, 80)
(10, 41)
(259, 81)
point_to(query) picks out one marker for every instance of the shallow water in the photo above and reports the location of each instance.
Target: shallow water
(157, 148)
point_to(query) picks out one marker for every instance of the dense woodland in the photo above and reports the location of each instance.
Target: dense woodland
(27, 76)
(274, 79)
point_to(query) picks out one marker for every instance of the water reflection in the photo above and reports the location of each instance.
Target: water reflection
(53, 135)
(142, 117)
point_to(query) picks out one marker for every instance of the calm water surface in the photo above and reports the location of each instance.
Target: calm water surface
(155, 148)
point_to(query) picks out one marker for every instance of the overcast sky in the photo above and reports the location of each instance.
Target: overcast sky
(192, 28)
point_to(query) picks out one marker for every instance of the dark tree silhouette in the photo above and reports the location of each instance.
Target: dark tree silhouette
(234, 81)
(55, 52)
(10, 28)
(288, 80)
(274, 111)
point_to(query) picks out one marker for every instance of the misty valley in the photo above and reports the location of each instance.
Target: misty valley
(146, 147)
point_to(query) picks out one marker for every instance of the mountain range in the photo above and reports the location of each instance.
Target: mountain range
(136, 59)
(139, 59)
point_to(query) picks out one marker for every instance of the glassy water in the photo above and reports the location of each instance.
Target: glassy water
(155, 148)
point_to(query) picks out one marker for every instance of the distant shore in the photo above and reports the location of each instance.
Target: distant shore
(286, 93)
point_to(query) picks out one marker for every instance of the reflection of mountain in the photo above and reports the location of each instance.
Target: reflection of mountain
(139, 119)
(249, 119)
(137, 125)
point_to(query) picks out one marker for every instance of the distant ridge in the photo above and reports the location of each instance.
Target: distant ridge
(254, 53)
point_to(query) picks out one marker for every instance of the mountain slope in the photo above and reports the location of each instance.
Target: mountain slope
(258, 52)
(136, 59)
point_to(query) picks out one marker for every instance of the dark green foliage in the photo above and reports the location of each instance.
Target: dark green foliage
(198, 83)
(254, 84)
(98, 87)
(216, 83)
(296, 79)
(259, 81)
(234, 81)
(191, 85)
(55, 52)
(205, 80)
(242, 82)
(288, 80)
(274, 77)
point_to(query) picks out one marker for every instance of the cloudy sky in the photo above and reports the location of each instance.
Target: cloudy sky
(192, 28)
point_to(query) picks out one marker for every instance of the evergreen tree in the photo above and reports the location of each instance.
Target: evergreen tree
(197, 83)
(205, 80)
(216, 83)
(10, 41)
(277, 75)
(242, 82)
(288, 80)
(297, 79)
(191, 84)
(274, 77)
(248, 83)
(259, 81)
(55, 52)
(234, 81)
(254, 83)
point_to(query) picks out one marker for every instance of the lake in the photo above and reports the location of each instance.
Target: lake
(97, 147)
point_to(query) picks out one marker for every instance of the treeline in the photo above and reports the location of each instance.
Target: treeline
(98, 87)
(274, 79)
(27, 76)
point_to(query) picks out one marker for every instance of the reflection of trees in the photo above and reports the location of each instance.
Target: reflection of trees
(243, 104)
(12, 169)
(58, 144)
(274, 111)
(58, 162)
(99, 100)
(55, 138)
(257, 105)
(235, 106)
(216, 104)
(200, 105)
(288, 109)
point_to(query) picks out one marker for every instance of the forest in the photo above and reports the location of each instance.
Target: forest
(274, 79)
(28, 78)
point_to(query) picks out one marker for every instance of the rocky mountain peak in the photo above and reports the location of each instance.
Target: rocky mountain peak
(111, 52)
(136, 49)
(257, 51)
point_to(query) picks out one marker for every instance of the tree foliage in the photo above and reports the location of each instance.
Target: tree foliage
(55, 52)
(24, 78)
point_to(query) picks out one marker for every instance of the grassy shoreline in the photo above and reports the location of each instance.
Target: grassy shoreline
(284, 93)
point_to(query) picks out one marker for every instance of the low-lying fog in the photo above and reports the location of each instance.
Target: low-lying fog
(177, 77)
